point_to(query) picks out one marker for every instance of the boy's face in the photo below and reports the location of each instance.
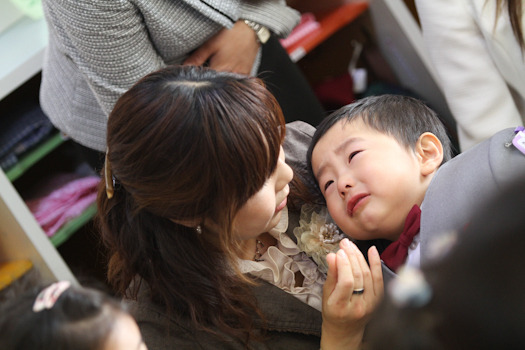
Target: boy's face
(369, 180)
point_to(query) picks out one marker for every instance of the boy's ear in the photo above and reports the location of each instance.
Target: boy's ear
(430, 153)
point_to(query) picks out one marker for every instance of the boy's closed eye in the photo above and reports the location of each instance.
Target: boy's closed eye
(353, 154)
(327, 184)
(350, 157)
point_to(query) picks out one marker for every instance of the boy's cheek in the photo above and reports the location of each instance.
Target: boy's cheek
(336, 212)
(329, 202)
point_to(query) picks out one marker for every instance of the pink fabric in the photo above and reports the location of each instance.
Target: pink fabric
(64, 203)
(307, 25)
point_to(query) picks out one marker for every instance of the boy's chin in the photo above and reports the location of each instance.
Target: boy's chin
(362, 235)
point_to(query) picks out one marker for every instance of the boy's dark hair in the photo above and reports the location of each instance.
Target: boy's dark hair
(402, 117)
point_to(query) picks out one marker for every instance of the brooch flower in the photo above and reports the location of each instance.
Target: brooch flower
(317, 235)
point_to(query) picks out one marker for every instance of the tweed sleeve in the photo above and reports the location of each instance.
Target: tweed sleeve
(273, 14)
(107, 41)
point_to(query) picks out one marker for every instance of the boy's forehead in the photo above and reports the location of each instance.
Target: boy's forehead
(340, 131)
(340, 136)
(333, 141)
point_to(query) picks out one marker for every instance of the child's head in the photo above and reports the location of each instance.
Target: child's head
(373, 161)
(197, 163)
(61, 316)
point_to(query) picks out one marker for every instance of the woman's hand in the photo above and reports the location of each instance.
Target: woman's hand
(345, 312)
(232, 50)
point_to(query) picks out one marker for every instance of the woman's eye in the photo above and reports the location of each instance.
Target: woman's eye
(327, 184)
(352, 155)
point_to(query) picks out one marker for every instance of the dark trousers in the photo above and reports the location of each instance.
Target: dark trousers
(94, 158)
(289, 86)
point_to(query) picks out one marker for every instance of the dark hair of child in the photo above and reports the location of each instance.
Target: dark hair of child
(80, 319)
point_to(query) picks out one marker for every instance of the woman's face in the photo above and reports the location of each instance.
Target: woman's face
(262, 211)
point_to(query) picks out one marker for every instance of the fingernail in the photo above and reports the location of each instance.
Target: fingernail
(341, 253)
(346, 243)
(373, 250)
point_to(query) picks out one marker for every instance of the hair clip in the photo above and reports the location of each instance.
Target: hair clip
(410, 288)
(108, 177)
(47, 298)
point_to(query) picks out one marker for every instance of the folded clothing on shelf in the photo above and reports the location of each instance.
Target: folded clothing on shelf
(20, 131)
(64, 203)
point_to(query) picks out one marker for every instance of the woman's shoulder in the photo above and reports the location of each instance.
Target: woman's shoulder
(285, 315)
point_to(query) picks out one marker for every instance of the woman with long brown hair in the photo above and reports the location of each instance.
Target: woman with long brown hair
(192, 209)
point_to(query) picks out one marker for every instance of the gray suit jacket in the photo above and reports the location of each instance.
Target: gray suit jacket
(464, 183)
(98, 49)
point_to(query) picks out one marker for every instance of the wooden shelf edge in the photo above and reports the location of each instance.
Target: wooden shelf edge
(23, 45)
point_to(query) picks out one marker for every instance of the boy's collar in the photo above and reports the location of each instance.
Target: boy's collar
(396, 253)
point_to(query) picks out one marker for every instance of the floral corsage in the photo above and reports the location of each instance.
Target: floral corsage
(317, 235)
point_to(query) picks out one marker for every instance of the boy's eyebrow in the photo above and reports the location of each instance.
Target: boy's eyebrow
(337, 150)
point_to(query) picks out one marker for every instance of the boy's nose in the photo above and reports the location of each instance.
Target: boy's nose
(343, 186)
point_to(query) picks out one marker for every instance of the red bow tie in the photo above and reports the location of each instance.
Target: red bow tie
(396, 253)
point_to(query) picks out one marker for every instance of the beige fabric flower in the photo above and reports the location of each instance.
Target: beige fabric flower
(317, 235)
(281, 263)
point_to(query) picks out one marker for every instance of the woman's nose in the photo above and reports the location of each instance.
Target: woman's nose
(285, 174)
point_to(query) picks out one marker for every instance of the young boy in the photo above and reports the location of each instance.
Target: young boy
(378, 165)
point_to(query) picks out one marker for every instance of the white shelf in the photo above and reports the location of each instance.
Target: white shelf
(21, 237)
(22, 46)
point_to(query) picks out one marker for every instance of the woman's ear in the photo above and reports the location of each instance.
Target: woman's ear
(430, 153)
(187, 223)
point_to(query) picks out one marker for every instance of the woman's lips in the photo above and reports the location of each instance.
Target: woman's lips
(355, 202)
(282, 205)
